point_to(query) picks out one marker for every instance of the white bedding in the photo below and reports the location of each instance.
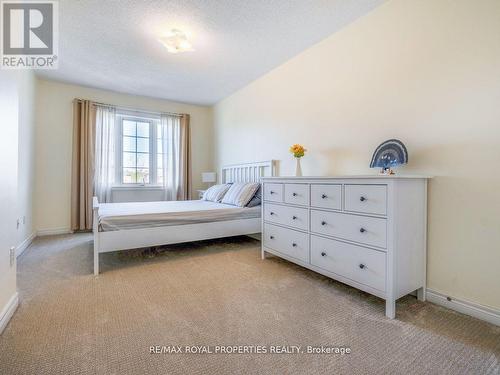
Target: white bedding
(134, 215)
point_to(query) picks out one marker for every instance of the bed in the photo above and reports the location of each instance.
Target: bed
(123, 226)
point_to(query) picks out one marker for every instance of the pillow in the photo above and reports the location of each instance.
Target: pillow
(240, 194)
(257, 198)
(215, 193)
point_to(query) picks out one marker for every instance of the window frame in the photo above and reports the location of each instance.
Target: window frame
(153, 161)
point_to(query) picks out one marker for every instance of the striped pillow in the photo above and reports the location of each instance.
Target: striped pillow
(215, 193)
(257, 198)
(240, 194)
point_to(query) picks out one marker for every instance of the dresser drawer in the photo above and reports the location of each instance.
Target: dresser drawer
(287, 241)
(297, 194)
(365, 266)
(273, 192)
(292, 216)
(370, 199)
(362, 229)
(326, 196)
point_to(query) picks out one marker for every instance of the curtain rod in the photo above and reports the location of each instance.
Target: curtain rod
(132, 109)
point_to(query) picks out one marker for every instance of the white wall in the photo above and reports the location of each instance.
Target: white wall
(53, 144)
(15, 94)
(26, 159)
(9, 100)
(145, 194)
(426, 72)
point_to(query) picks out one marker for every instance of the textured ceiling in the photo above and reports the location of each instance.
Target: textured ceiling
(113, 44)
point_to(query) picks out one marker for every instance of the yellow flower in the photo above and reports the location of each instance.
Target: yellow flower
(297, 150)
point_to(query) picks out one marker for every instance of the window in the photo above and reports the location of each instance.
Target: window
(159, 156)
(139, 151)
(136, 152)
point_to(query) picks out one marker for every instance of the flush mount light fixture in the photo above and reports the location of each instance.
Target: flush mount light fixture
(176, 42)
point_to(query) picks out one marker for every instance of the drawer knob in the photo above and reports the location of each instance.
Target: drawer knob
(323, 223)
(362, 199)
(324, 196)
(294, 194)
(362, 230)
(323, 254)
(294, 217)
(362, 266)
(271, 237)
(294, 244)
(272, 192)
(271, 213)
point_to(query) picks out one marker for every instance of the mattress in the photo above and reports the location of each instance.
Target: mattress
(134, 215)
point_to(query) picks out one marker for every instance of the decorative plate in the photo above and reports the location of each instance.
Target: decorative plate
(389, 154)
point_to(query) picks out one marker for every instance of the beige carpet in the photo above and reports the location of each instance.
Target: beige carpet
(220, 293)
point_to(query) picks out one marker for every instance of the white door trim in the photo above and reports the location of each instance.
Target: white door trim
(8, 311)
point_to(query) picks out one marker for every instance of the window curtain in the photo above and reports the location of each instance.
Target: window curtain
(104, 175)
(82, 173)
(175, 135)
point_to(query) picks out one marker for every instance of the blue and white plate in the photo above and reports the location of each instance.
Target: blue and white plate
(389, 154)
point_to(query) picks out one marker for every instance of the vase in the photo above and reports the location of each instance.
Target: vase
(298, 168)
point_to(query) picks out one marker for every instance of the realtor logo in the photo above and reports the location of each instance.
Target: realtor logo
(29, 34)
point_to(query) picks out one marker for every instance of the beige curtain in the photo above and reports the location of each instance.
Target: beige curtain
(82, 174)
(185, 160)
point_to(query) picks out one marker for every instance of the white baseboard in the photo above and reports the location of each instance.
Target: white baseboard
(25, 244)
(476, 310)
(8, 311)
(53, 232)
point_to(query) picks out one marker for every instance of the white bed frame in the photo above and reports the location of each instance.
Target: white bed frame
(145, 237)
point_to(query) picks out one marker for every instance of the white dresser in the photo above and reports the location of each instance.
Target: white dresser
(365, 231)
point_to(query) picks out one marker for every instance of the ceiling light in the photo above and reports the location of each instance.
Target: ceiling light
(176, 42)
